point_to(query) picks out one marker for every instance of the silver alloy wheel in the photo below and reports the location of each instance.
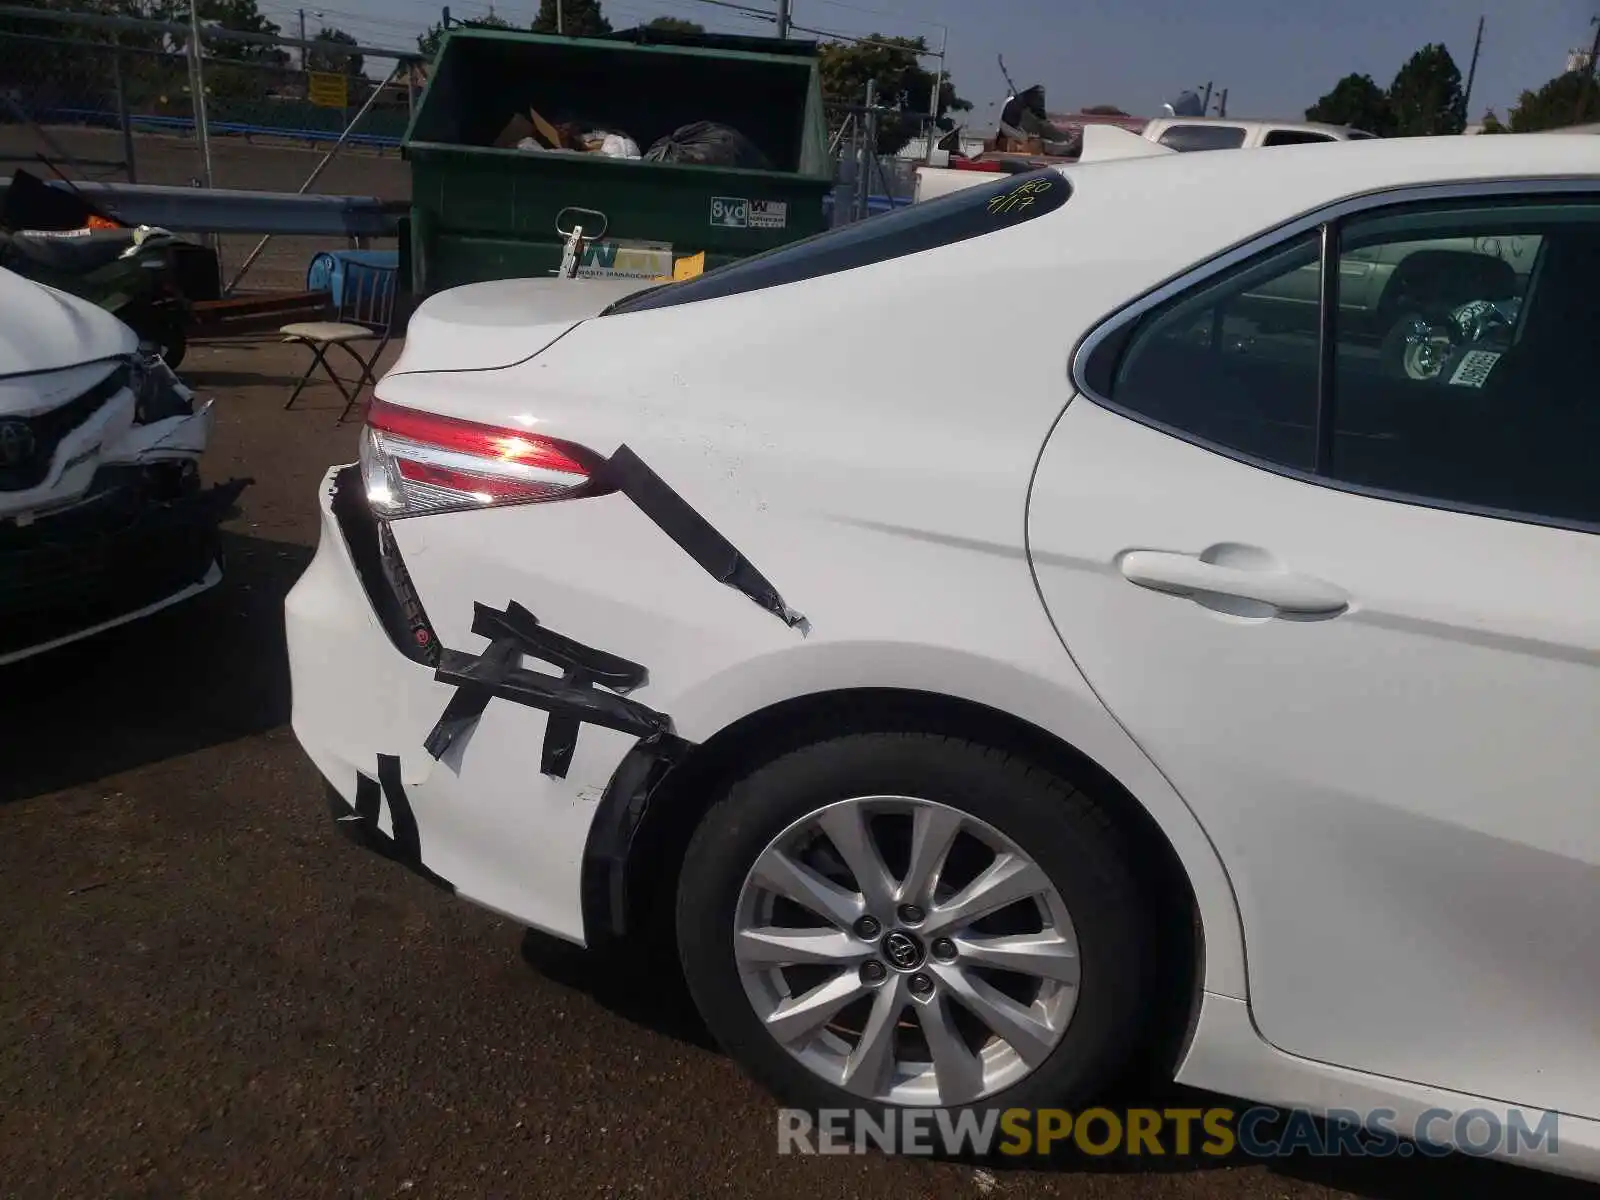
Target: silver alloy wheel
(937, 982)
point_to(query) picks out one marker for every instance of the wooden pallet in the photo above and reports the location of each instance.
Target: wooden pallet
(258, 314)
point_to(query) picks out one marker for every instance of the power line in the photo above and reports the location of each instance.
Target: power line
(881, 12)
(744, 8)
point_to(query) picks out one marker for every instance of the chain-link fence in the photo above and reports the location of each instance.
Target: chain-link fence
(91, 96)
(109, 97)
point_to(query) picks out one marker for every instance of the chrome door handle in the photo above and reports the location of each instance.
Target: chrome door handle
(1189, 576)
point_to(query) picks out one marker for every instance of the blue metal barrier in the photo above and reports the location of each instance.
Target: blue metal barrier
(88, 116)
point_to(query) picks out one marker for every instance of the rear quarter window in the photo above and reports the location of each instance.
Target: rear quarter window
(1010, 200)
(1203, 137)
(1295, 137)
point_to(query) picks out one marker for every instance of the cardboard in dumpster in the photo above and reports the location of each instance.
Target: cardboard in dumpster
(532, 125)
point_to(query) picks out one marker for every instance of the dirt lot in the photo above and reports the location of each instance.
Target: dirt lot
(204, 991)
(271, 166)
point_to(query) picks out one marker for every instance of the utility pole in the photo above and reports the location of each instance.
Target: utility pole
(302, 41)
(1588, 75)
(1472, 72)
(938, 88)
(783, 18)
(1205, 104)
(561, 22)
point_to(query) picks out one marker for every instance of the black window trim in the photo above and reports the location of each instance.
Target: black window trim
(1112, 333)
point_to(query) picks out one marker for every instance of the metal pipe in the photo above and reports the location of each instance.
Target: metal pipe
(197, 91)
(327, 158)
(202, 130)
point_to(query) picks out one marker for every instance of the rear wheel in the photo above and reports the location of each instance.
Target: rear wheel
(904, 919)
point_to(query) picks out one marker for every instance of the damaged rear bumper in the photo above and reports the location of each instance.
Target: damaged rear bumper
(481, 818)
(467, 765)
(140, 540)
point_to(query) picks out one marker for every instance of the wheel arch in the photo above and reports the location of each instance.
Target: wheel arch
(659, 793)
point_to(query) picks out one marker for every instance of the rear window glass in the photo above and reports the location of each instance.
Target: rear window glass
(1009, 200)
(1203, 137)
(1294, 137)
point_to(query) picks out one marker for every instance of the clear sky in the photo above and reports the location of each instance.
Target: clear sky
(1275, 56)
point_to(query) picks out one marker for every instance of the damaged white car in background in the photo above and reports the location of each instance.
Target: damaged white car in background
(102, 515)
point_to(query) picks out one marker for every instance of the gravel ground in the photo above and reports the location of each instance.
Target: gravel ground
(204, 991)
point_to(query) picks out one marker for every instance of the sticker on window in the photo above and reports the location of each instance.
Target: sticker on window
(1474, 367)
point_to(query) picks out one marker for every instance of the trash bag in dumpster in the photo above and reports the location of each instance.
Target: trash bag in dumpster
(708, 144)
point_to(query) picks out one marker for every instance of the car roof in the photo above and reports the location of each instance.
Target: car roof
(1252, 123)
(1132, 224)
(1293, 178)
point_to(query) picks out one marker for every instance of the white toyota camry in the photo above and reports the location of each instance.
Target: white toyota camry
(1154, 602)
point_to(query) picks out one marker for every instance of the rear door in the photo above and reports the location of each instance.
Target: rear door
(1348, 599)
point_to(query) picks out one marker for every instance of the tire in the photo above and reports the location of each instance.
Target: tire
(1088, 863)
(165, 326)
(172, 335)
(175, 344)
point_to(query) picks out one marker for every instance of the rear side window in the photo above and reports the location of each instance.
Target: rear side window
(1294, 137)
(1009, 200)
(1203, 137)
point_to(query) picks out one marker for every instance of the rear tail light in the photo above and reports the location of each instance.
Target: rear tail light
(414, 462)
(960, 164)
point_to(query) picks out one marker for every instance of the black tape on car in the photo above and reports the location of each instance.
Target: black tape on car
(717, 556)
(472, 696)
(560, 744)
(571, 700)
(518, 624)
(405, 846)
(407, 839)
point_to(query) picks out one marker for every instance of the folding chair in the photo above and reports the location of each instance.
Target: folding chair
(366, 314)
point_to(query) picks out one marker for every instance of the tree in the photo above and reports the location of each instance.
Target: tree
(334, 62)
(1105, 110)
(1426, 95)
(675, 25)
(903, 85)
(428, 42)
(1567, 99)
(237, 16)
(579, 18)
(1358, 102)
(1492, 123)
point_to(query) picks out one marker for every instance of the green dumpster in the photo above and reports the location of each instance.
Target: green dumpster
(483, 212)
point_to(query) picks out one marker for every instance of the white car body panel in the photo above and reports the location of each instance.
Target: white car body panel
(48, 330)
(489, 324)
(55, 347)
(895, 515)
(1228, 1056)
(1385, 744)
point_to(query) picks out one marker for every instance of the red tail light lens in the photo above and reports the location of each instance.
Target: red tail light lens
(414, 462)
